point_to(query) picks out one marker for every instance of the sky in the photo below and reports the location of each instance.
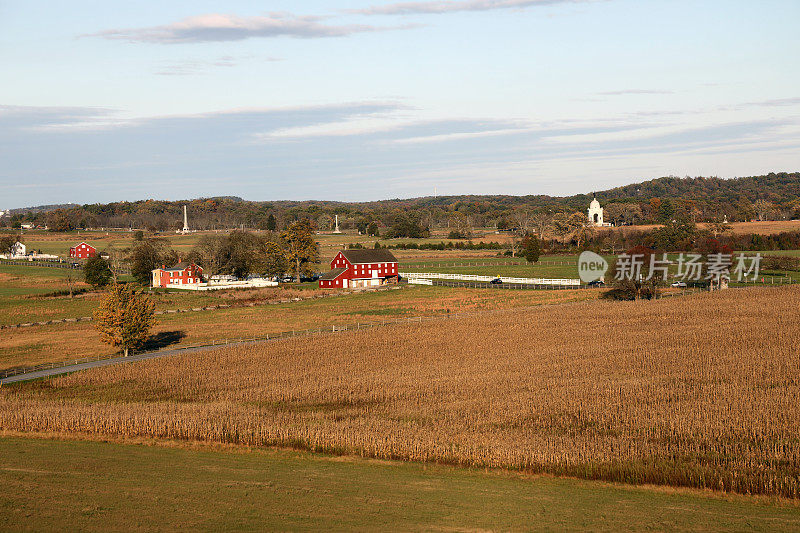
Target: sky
(364, 100)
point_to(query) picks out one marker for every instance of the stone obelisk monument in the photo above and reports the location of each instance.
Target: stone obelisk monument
(185, 221)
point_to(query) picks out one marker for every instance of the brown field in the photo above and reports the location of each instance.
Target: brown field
(702, 391)
(61, 342)
(767, 227)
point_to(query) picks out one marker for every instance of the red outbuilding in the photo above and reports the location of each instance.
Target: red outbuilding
(360, 268)
(82, 251)
(181, 274)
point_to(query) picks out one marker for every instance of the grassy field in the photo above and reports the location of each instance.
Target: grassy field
(59, 342)
(37, 294)
(49, 485)
(699, 391)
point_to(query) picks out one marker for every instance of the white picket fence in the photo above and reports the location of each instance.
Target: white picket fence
(474, 277)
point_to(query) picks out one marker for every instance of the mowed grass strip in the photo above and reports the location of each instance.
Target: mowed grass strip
(50, 485)
(701, 391)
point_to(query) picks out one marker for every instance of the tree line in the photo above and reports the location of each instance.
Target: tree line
(769, 197)
(238, 253)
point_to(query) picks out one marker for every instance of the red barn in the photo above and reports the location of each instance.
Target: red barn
(181, 274)
(82, 251)
(360, 268)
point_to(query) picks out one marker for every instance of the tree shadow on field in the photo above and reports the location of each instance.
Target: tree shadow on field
(163, 339)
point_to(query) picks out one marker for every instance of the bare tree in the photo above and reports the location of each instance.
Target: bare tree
(542, 222)
(763, 209)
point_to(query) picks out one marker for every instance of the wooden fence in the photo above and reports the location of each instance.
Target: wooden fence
(571, 282)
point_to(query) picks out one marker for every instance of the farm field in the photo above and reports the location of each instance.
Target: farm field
(90, 485)
(764, 227)
(37, 294)
(699, 392)
(58, 342)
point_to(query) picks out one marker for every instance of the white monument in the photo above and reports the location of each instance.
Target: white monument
(185, 221)
(337, 225)
(595, 213)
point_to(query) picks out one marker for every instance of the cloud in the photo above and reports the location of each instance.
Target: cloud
(778, 102)
(438, 7)
(358, 151)
(215, 27)
(634, 91)
(189, 67)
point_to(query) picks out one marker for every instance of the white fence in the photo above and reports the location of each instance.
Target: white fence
(474, 277)
(219, 285)
(420, 281)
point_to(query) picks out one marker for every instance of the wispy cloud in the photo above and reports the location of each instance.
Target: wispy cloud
(355, 150)
(189, 67)
(623, 92)
(224, 27)
(436, 7)
(778, 102)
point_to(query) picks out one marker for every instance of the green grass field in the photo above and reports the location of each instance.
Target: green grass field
(53, 485)
(26, 295)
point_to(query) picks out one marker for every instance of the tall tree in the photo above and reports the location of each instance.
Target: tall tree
(125, 317)
(97, 272)
(148, 255)
(7, 241)
(272, 224)
(530, 248)
(764, 210)
(299, 245)
(275, 263)
(244, 253)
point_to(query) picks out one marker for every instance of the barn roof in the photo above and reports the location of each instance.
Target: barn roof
(333, 274)
(369, 256)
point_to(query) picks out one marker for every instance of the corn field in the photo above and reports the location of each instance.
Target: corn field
(701, 391)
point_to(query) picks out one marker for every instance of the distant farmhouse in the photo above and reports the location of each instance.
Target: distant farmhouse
(181, 274)
(18, 249)
(83, 251)
(360, 268)
(595, 214)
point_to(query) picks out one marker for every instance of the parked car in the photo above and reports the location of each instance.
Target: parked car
(596, 283)
(679, 284)
(312, 277)
(286, 279)
(496, 281)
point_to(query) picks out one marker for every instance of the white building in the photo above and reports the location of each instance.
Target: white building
(18, 249)
(595, 214)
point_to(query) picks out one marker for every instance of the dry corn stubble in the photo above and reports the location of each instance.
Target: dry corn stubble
(702, 391)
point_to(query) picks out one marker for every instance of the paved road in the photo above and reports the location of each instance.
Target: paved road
(115, 361)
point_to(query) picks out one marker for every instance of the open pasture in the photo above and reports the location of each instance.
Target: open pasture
(700, 391)
(37, 294)
(92, 485)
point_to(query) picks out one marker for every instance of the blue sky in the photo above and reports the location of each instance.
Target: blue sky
(362, 100)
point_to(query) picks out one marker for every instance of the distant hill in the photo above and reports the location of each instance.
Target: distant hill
(42, 208)
(775, 196)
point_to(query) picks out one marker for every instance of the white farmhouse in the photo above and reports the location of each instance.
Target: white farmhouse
(18, 249)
